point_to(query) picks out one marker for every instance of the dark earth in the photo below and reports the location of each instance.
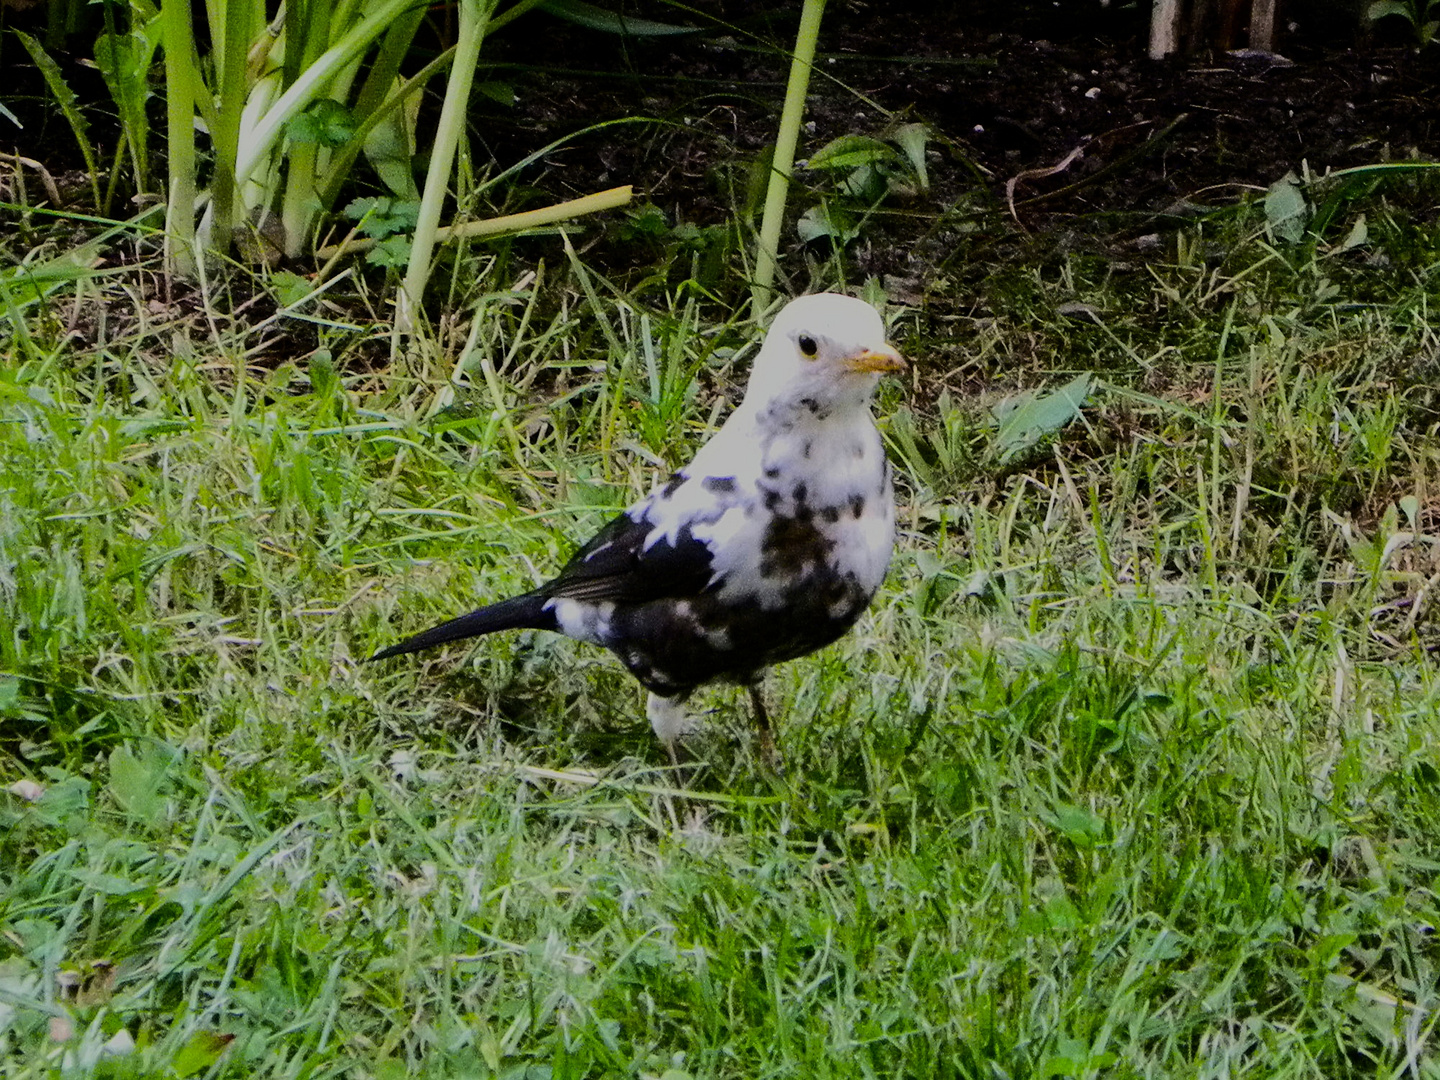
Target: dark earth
(1105, 147)
(1010, 91)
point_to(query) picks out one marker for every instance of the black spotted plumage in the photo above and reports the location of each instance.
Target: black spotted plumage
(612, 567)
(768, 546)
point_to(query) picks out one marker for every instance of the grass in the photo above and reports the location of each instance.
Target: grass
(1132, 770)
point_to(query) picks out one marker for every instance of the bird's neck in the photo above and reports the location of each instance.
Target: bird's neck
(808, 409)
(783, 428)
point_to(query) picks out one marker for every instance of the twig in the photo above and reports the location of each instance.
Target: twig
(1041, 174)
(51, 188)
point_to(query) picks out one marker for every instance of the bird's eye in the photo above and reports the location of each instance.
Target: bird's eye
(808, 347)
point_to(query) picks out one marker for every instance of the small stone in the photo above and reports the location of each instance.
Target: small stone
(28, 790)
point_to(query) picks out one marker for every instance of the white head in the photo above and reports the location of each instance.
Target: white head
(827, 348)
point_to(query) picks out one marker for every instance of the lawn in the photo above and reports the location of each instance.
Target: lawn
(1133, 769)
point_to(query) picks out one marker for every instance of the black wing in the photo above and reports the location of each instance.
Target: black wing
(616, 566)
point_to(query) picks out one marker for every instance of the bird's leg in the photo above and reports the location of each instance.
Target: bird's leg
(762, 723)
(667, 718)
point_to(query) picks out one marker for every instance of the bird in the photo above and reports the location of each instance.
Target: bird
(767, 546)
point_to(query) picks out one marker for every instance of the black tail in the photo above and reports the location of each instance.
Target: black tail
(526, 611)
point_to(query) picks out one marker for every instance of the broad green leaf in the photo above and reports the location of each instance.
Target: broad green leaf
(1082, 827)
(289, 287)
(390, 151)
(825, 223)
(645, 223)
(1062, 914)
(385, 216)
(1286, 210)
(912, 139)
(1410, 506)
(1373, 1007)
(200, 1051)
(109, 884)
(850, 152)
(392, 251)
(1381, 8)
(612, 22)
(323, 380)
(867, 184)
(1026, 420)
(138, 783)
(65, 798)
(20, 984)
(502, 93)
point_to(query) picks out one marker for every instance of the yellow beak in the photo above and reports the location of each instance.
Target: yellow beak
(885, 358)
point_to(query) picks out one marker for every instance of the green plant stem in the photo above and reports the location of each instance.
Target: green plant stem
(474, 15)
(226, 134)
(508, 223)
(298, 201)
(768, 247)
(180, 77)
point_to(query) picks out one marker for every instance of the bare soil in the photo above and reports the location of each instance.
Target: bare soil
(1011, 91)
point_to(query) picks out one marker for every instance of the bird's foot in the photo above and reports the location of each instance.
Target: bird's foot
(669, 719)
(763, 732)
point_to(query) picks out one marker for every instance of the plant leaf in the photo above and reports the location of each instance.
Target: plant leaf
(1286, 210)
(612, 22)
(390, 152)
(850, 152)
(1081, 826)
(1024, 421)
(69, 106)
(200, 1051)
(392, 251)
(912, 139)
(502, 93)
(1358, 236)
(138, 783)
(867, 184)
(124, 61)
(1381, 8)
(325, 121)
(823, 223)
(381, 217)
